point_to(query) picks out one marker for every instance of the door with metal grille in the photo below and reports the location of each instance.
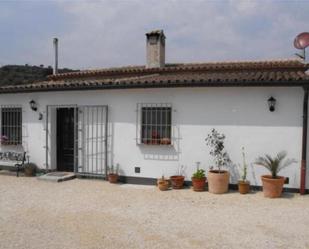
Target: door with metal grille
(92, 140)
(89, 142)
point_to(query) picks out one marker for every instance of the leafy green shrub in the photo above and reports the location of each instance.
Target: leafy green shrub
(199, 174)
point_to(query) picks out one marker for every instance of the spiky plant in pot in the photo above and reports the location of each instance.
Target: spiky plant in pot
(243, 184)
(273, 184)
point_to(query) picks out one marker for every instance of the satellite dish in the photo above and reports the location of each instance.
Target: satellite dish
(301, 41)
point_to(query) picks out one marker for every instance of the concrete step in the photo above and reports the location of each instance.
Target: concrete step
(57, 176)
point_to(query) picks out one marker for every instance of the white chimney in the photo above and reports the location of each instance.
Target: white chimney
(55, 71)
(155, 49)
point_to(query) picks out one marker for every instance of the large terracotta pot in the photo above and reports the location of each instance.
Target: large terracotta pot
(243, 187)
(218, 181)
(163, 184)
(198, 183)
(113, 178)
(177, 181)
(272, 188)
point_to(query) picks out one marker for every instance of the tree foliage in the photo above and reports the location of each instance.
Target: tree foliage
(24, 74)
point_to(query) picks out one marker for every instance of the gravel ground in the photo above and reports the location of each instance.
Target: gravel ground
(95, 214)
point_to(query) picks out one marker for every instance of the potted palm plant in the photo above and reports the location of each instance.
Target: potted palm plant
(113, 173)
(163, 183)
(273, 184)
(218, 179)
(243, 184)
(178, 180)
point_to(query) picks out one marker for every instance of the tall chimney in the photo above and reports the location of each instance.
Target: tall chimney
(55, 71)
(155, 49)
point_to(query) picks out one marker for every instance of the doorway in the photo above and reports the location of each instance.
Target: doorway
(65, 139)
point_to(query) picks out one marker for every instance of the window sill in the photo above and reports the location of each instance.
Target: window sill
(164, 142)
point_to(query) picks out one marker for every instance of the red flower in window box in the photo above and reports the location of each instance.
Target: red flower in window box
(4, 140)
(155, 137)
(165, 141)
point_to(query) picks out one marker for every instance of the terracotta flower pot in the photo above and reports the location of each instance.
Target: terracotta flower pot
(272, 188)
(163, 184)
(243, 187)
(198, 183)
(177, 181)
(218, 182)
(165, 141)
(113, 178)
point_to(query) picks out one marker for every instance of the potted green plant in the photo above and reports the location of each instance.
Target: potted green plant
(243, 183)
(218, 179)
(273, 184)
(113, 173)
(178, 180)
(163, 183)
(198, 179)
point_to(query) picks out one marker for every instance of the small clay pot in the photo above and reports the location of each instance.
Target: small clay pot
(272, 188)
(198, 183)
(165, 141)
(218, 181)
(30, 169)
(113, 178)
(177, 181)
(163, 184)
(243, 187)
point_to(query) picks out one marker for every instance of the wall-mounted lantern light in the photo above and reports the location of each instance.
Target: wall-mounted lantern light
(271, 103)
(33, 105)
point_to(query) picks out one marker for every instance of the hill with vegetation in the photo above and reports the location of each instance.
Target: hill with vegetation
(24, 74)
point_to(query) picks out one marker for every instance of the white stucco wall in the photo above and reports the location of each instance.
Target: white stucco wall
(240, 113)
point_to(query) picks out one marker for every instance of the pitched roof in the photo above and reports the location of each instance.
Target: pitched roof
(250, 73)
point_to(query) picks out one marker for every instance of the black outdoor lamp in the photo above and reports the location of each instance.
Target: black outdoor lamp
(33, 105)
(271, 103)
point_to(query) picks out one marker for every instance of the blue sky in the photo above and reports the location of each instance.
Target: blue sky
(96, 34)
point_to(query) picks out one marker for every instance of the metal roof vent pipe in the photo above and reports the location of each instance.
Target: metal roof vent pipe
(55, 71)
(155, 49)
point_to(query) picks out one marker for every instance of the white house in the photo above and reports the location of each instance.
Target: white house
(152, 119)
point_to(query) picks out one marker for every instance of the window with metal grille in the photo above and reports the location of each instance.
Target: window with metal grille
(11, 125)
(156, 124)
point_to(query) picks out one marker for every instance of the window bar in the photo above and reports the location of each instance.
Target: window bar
(151, 125)
(14, 126)
(106, 142)
(102, 139)
(156, 125)
(46, 138)
(146, 125)
(87, 141)
(74, 139)
(97, 137)
(8, 124)
(92, 114)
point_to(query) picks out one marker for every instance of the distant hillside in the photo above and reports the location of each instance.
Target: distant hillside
(18, 75)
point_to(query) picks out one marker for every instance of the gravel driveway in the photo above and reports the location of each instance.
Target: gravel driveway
(95, 214)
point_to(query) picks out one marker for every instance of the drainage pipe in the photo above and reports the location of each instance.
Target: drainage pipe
(304, 144)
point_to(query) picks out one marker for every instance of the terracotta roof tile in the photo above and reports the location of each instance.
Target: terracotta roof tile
(252, 73)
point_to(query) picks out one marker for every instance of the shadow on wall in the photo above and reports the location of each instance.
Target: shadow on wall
(234, 172)
(159, 152)
(163, 152)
